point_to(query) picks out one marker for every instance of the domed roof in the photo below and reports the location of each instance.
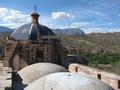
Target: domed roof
(29, 31)
(67, 81)
(32, 31)
(35, 71)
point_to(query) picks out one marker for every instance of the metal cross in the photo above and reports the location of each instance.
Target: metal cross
(35, 8)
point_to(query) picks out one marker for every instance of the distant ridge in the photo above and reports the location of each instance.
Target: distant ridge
(69, 31)
(5, 29)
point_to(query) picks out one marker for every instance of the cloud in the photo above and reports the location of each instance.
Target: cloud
(95, 29)
(97, 13)
(60, 15)
(69, 25)
(13, 18)
(88, 13)
(89, 24)
(79, 24)
(86, 27)
(101, 30)
(3, 12)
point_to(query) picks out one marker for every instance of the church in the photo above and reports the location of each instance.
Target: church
(38, 62)
(32, 43)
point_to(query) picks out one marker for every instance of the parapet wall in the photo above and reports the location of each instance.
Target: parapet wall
(5, 77)
(109, 78)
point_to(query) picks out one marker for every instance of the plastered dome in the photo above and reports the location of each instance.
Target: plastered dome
(38, 70)
(67, 81)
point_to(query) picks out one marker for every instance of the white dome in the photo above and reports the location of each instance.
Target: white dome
(35, 71)
(67, 81)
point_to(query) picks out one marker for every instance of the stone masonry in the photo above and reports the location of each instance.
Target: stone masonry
(109, 78)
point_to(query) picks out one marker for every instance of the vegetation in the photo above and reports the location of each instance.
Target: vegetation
(100, 53)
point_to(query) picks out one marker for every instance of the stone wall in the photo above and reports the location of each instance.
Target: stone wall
(109, 78)
(19, 54)
(5, 77)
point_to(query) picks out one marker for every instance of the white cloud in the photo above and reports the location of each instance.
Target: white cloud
(13, 18)
(59, 15)
(95, 29)
(70, 25)
(79, 24)
(85, 26)
(91, 13)
(3, 12)
(101, 30)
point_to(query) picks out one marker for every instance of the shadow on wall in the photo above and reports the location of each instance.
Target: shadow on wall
(74, 59)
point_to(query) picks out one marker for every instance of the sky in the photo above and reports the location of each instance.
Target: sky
(89, 15)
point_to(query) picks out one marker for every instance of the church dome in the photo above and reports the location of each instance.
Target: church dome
(32, 31)
(68, 81)
(38, 70)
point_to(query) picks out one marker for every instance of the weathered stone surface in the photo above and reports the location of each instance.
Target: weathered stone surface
(109, 78)
(35, 71)
(5, 78)
(68, 81)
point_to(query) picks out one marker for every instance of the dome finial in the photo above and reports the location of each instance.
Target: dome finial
(35, 8)
(35, 15)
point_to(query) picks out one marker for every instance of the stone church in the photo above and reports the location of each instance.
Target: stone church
(32, 43)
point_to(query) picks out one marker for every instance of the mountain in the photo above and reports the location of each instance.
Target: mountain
(5, 29)
(69, 31)
(94, 42)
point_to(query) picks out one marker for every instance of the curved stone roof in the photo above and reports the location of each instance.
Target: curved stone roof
(30, 31)
(67, 81)
(38, 70)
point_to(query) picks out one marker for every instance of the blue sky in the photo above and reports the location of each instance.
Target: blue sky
(89, 15)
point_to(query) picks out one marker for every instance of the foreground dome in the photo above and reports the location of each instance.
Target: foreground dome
(67, 81)
(38, 70)
(32, 31)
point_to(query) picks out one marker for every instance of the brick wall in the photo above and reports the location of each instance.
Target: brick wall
(109, 78)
